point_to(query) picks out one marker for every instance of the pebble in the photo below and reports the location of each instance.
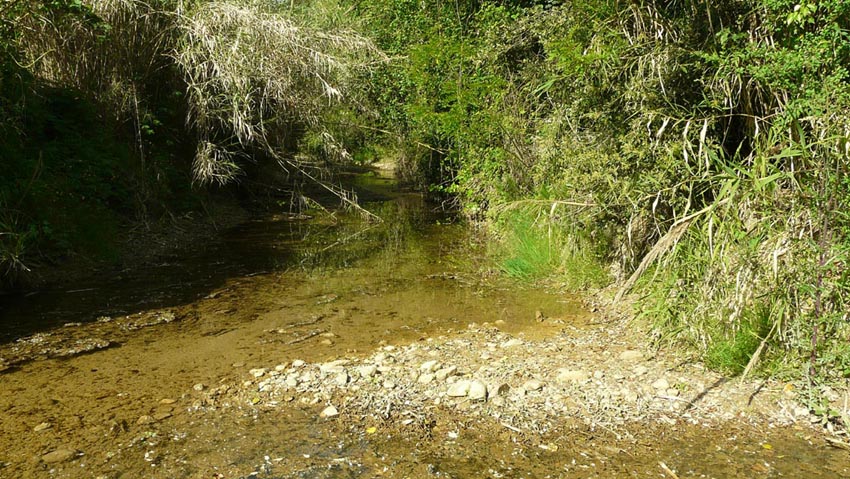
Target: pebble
(298, 363)
(569, 376)
(341, 379)
(367, 371)
(661, 384)
(42, 427)
(640, 370)
(59, 455)
(444, 373)
(291, 381)
(389, 385)
(329, 411)
(477, 391)
(199, 387)
(326, 342)
(145, 420)
(498, 389)
(429, 366)
(511, 343)
(167, 401)
(631, 355)
(258, 372)
(532, 385)
(161, 416)
(459, 389)
(332, 368)
(425, 378)
(280, 367)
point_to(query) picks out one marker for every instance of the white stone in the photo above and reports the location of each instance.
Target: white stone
(329, 411)
(341, 379)
(334, 367)
(444, 373)
(532, 385)
(477, 391)
(511, 343)
(258, 372)
(298, 363)
(367, 371)
(459, 389)
(661, 384)
(498, 389)
(570, 376)
(631, 355)
(429, 366)
(425, 378)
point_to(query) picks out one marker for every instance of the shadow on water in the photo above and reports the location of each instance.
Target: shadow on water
(274, 242)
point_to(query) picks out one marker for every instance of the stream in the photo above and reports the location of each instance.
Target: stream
(116, 376)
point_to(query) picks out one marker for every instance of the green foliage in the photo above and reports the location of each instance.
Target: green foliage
(724, 122)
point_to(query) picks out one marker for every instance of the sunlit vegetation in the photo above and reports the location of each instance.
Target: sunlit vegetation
(692, 155)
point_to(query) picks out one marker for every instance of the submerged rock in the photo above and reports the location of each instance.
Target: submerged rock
(59, 455)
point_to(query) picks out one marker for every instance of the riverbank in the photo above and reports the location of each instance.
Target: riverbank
(289, 350)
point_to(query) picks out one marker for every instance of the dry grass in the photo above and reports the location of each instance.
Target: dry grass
(254, 74)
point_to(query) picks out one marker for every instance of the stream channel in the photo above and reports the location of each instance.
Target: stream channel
(110, 378)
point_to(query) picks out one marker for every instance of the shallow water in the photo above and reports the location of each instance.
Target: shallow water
(278, 289)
